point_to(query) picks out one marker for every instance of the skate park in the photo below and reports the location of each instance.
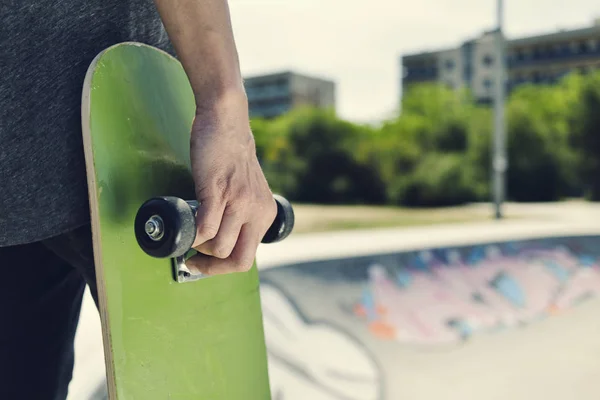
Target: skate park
(473, 310)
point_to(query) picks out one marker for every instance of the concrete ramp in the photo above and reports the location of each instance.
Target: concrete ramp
(489, 311)
(504, 319)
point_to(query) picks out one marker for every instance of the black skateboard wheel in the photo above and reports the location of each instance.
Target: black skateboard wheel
(284, 221)
(165, 227)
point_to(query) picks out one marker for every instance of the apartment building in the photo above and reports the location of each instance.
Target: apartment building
(275, 94)
(534, 59)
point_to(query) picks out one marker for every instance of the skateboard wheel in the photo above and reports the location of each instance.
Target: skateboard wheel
(165, 227)
(283, 224)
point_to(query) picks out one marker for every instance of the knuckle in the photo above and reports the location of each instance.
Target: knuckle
(267, 211)
(244, 267)
(208, 231)
(235, 208)
(216, 189)
(244, 193)
(222, 250)
(271, 210)
(221, 187)
(238, 205)
(244, 263)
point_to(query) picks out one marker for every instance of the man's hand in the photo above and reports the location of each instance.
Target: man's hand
(236, 207)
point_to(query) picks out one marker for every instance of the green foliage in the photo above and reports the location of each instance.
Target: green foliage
(478, 155)
(586, 132)
(439, 117)
(540, 156)
(312, 159)
(438, 180)
(437, 151)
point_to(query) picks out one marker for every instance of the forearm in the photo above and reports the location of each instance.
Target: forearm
(202, 36)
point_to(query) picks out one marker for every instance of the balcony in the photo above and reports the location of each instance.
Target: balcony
(564, 53)
(420, 74)
(258, 93)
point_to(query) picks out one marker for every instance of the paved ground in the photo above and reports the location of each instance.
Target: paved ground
(315, 218)
(556, 358)
(88, 376)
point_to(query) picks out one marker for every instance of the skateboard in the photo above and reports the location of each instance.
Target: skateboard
(167, 334)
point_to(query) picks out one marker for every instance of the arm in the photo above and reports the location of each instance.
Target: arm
(202, 36)
(236, 204)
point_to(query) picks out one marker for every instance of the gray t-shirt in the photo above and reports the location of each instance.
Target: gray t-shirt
(45, 49)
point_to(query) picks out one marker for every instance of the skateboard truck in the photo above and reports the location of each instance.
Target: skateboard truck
(165, 227)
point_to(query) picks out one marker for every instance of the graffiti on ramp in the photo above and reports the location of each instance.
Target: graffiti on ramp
(309, 360)
(447, 295)
(361, 328)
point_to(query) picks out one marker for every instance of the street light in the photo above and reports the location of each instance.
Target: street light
(499, 160)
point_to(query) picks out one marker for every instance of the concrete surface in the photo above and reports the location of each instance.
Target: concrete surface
(502, 320)
(331, 348)
(89, 372)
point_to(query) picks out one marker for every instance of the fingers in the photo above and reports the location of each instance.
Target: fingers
(223, 243)
(241, 258)
(208, 220)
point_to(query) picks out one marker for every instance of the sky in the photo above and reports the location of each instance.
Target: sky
(357, 43)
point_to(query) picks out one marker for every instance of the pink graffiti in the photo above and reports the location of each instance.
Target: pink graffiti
(448, 300)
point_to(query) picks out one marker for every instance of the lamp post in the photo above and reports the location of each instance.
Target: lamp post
(499, 160)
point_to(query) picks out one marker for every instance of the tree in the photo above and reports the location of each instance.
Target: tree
(442, 115)
(310, 155)
(540, 156)
(586, 131)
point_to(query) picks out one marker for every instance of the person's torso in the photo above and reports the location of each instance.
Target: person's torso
(46, 47)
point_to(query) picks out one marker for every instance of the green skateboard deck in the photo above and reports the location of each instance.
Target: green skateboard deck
(163, 339)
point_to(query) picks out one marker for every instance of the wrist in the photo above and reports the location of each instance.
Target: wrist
(223, 98)
(224, 117)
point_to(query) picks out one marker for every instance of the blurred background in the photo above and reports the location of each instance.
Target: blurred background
(393, 104)
(443, 158)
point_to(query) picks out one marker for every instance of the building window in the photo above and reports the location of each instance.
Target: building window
(547, 51)
(488, 60)
(574, 48)
(557, 49)
(561, 49)
(449, 65)
(487, 83)
(520, 56)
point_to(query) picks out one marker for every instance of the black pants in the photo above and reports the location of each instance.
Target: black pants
(41, 290)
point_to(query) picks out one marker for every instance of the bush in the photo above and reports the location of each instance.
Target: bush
(438, 180)
(540, 157)
(310, 158)
(586, 132)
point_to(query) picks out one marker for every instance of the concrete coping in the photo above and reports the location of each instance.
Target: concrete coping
(335, 245)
